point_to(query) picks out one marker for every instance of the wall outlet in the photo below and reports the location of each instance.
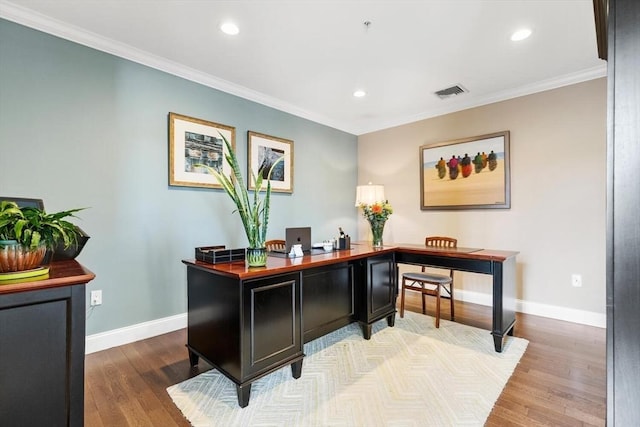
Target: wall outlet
(96, 298)
(576, 280)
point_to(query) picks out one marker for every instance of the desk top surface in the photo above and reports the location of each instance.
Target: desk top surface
(279, 264)
(61, 273)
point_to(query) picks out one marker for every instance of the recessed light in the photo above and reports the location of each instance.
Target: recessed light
(229, 28)
(359, 93)
(520, 34)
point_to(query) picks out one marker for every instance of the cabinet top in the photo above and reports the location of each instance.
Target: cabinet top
(61, 273)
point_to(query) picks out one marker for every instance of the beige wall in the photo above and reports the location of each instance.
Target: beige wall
(558, 183)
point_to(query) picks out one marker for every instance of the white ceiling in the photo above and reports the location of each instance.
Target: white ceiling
(307, 57)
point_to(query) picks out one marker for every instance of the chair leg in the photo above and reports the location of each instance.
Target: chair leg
(424, 303)
(402, 300)
(437, 306)
(453, 316)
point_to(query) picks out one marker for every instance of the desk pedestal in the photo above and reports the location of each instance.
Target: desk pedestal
(250, 327)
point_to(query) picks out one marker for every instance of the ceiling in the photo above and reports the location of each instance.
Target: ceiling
(307, 57)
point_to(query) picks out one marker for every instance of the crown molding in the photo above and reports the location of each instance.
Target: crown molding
(471, 102)
(31, 19)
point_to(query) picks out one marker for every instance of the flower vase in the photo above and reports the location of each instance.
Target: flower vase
(256, 257)
(377, 227)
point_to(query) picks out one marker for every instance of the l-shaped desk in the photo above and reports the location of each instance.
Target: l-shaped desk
(249, 322)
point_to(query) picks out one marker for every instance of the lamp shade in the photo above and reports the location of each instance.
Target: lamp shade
(369, 194)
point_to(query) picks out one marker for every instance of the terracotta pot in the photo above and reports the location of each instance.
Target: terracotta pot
(15, 257)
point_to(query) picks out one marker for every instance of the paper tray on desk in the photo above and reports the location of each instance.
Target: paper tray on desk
(218, 254)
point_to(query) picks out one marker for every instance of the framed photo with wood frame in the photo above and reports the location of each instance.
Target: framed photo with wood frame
(194, 143)
(469, 173)
(263, 151)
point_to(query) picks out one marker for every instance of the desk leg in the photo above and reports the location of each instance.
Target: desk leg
(504, 300)
(244, 391)
(193, 359)
(391, 319)
(366, 331)
(296, 369)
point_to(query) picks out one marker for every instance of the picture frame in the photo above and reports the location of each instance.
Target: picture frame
(263, 151)
(480, 178)
(193, 143)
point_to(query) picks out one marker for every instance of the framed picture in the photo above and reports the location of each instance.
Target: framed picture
(469, 173)
(264, 150)
(193, 144)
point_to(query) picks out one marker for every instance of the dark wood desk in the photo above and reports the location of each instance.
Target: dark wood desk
(501, 265)
(248, 323)
(42, 340)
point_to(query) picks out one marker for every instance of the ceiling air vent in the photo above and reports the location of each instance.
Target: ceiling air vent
(451, 91)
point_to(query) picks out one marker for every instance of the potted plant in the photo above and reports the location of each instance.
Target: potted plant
(254, 214)
(27, 232)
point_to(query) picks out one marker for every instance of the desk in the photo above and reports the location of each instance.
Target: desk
(42, 338)
(248, 323)
(501, 265)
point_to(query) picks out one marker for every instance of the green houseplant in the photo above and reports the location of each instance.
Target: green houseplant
(27, 232)
(253, 213)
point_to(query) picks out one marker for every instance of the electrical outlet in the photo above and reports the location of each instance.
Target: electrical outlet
(576, 280)
(96, 298)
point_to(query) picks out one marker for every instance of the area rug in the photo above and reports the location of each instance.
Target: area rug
(410, 375)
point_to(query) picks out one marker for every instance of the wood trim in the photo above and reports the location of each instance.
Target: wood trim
(279, 265)
(61, 273)
(601, 16)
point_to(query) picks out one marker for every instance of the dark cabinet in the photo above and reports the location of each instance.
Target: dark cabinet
(376, 291)
(252, 323)
(328, 299)
(246, 329)
(42, 341)
(272, 324)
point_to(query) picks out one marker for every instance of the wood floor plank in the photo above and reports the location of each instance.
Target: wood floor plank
(560, 380)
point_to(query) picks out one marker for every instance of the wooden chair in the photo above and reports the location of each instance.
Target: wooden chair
(429, 283)
(275, 244)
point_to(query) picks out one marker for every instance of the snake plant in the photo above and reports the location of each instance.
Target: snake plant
(254, 214)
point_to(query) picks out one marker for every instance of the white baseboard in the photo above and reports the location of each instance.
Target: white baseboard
(544, 310)
(129, 334)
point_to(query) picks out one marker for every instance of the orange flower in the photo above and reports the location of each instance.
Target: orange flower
(379, 211)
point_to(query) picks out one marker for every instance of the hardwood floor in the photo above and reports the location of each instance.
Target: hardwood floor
(560, 381)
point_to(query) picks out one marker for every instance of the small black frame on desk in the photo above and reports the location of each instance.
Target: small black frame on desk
(468, 173)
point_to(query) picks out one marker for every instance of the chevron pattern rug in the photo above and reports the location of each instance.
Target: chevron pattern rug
(410, 375)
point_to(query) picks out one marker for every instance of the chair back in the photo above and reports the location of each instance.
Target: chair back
(275, 244)
(441, 242)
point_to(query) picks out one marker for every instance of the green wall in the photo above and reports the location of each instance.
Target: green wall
(79, 127)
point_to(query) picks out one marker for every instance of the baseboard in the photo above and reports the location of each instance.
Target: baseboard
(129, 334)
(544, 310)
